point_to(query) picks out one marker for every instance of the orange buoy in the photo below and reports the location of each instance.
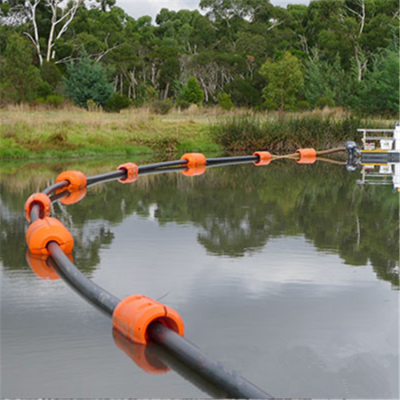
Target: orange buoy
(307, 156)
(132, 172)
(46, 230)
(40, 199)
(76, 179)
(264, 158)
(134, 314)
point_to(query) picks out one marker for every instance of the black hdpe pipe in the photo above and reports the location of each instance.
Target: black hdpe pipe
(230, 382)
(212, 374)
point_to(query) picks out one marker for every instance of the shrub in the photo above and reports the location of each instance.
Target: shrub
(225, 101)
(44, 89)
(303, 105)
(243, 93)
(192, 93)
(117, 102)
(183, 104)
(269, 104)
(51, 74)
(87, 80)
(323, 102)
(92, 106)
(161, 106)
(54, 100)
(145, 94)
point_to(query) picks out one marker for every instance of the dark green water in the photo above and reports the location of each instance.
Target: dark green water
(287, 273)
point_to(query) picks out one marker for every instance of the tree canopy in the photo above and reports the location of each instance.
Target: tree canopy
(343, 48)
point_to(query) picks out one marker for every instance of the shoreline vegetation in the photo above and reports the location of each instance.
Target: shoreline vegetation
(26, 133)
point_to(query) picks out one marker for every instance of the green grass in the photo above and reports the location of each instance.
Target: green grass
(70, 134)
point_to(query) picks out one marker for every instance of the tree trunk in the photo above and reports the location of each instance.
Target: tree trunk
(166, 92)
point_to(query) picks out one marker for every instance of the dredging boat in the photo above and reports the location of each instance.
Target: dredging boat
(379, 156)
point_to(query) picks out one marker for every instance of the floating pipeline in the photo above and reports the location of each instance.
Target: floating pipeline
(139, 322)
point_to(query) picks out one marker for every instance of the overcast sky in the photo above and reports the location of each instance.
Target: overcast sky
(138, 8)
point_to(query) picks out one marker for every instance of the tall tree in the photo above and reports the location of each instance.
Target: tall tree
(19, 73)
(284, 79)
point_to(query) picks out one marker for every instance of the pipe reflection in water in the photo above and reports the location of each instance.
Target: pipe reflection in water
(153, 359)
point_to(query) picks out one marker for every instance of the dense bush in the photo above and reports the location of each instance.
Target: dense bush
(323, 102)
(87, 80)
(51, 101)
(161, 106)
(117, 102)
(192, 93)
(243, 93)
(379, 91)
(183, 104)
(225, 101)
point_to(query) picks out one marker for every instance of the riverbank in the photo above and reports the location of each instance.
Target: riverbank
(27, 134)
(55, 134)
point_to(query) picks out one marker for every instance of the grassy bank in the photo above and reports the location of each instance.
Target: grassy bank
(74, 133)
(55, 134)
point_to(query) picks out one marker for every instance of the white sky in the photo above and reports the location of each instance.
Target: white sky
(139, 8)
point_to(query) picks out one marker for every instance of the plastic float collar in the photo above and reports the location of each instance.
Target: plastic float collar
(140, 354)
(73, 197)
(40, 199)
(132, 172)
(196, 164)
(43, 231)
(76, 179)
(39, 266)
(134, 314)
(264, 158)
(307, 156)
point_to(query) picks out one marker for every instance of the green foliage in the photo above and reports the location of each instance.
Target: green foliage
(183, 104)
(51, 74)
(44, 89)
(20, 78)
(117, 102)
(380, 89)
(54, 100)
(192, 93)
(87, 80)
(225, 101)
(145, 94)
(324, 80)
(284, 80)
(303, 105)
(323, 102)
(243, 93)
(162, 107)
(225, 49)
(268, 104)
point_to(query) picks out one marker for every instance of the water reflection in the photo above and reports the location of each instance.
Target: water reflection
(237, 210)
(250, 258)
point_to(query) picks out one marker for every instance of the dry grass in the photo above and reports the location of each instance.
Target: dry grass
(31, 133)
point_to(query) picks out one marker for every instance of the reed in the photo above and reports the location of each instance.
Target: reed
(288, 132)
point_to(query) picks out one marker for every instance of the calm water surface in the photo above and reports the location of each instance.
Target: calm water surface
(288, 274)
